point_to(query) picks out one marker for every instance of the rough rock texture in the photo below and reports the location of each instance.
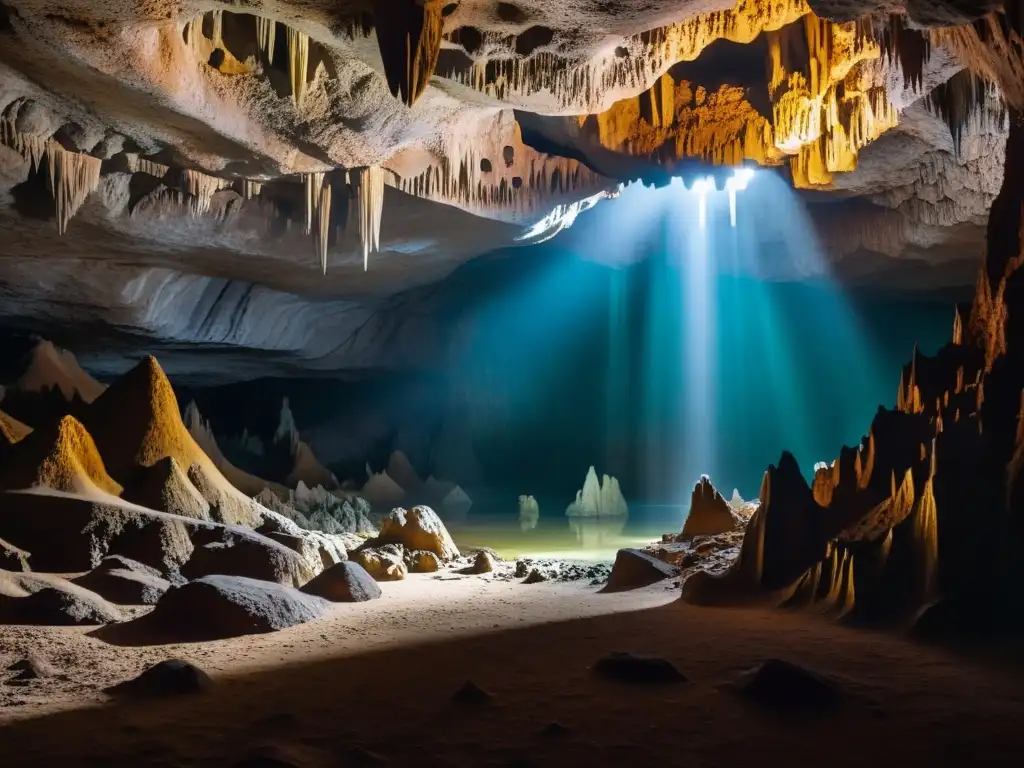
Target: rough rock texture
(216, 607)
(421, 561)
(710, 514)
(124, 581)
(165, 487)
(206, 183)
(384, 563)
(62, 604)
(634, 569)
(344, 583)
(240, 552)
(418, 528)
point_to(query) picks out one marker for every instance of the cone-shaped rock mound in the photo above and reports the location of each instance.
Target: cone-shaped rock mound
(136, 422)
(710, 514)
(61, 456)
(12, 430)
(165, 487)
(49, 368)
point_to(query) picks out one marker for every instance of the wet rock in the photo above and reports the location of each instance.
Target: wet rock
(346, 582)
(32, 667)
(383, 564)
(535, 577)
(418, 528)
(172, 677)
(782, 685)
(421, 561)
(634, 569)
(637, 668)
(471, 695)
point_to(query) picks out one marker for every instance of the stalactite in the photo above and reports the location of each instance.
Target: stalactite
(138, 164)
(298, 64)
(409, 37)
(910, 48)
(28, 145)
(266, 35)
(370, 207)
(72, 177)
(200, 187)
(314, 182)
(250, 188)
(217, 35)
(322, 231)
(962, 103)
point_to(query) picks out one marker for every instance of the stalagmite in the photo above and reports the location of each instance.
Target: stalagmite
(266, 34)
(370, 206)
(409, 37)
(72, 177)
(958, 331)
(298, 64)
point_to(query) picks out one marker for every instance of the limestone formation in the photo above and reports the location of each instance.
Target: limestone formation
(529, 513)
(710, 514)
(598, 498)
(418, 528)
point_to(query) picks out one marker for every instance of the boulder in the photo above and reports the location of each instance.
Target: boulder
(634, 569)
(217, 607)
(778, 684)
(421, 561)
(418, 528)
(124, 581)
(66, 534)
(346, 582)
(637, 668)
(482, 563)
(710, 514)
(62, 604)
(172, 677)
(382, 563)
(234, 551)
(535, 577)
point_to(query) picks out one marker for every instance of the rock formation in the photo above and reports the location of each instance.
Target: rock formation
(529, 513)
(598, 498)
(710, 514)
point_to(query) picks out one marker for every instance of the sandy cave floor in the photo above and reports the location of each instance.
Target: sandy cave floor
(379, 677)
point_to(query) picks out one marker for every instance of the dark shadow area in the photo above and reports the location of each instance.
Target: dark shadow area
(906, 704)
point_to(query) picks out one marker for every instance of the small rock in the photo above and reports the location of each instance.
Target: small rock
(172, 677)
(484, 563)
(382, 564)
(472, 695)
(344, 582)
(634, 569)
(554, 730)
(33, 667)
(779, 684)
(535, 577)
(637, 668)
(522, 569)
(422, 561)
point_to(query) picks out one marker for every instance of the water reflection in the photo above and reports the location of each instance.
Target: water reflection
(595, 533)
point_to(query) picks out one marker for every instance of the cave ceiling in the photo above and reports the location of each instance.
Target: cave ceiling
(285, 180)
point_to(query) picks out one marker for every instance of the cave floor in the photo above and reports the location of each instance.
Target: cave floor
(373, 682)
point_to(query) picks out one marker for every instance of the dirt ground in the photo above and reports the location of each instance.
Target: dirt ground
(372, 684)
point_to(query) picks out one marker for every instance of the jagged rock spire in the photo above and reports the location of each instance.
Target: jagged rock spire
(409, 36)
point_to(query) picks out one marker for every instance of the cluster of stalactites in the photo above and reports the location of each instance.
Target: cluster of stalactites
(409, 37)
(457, 182)
(583, 86)
(266, 36)
(318, 214)
(910, 48)
(963, 104)
(369, 196)
(72, 176)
